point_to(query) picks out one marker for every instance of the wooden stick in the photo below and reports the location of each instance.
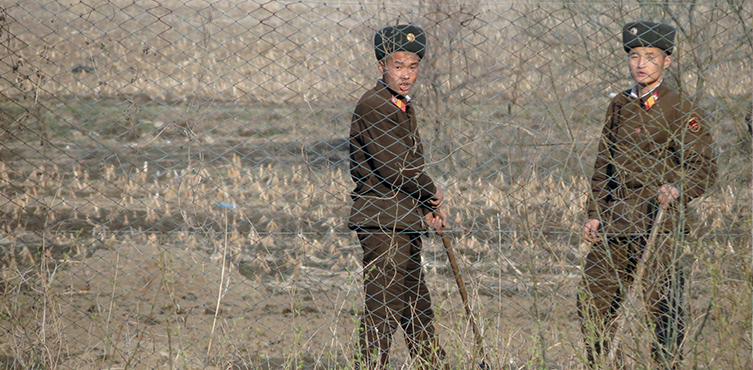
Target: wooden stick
(634, 292)
(464, 296)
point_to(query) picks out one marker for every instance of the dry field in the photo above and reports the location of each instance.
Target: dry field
(174, 184)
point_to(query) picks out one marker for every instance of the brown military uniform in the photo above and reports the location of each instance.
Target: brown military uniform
(639, 151)
(387, 165)
(646, 142)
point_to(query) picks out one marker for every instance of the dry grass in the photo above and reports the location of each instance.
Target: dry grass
(114, 295)
(183, 205)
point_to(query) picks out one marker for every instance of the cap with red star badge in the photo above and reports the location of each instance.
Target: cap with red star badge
(648, 34)
(406, 37)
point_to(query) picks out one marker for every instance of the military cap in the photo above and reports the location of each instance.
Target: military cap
(648, 34)
(404, 37)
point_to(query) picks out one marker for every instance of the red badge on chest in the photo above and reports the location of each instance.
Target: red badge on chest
(694, 124)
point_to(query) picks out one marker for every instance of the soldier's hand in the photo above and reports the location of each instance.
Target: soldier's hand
(667, 195)
(438, 200)
(590, 231)
(437, 219)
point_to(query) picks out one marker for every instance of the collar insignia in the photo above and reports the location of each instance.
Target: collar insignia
(398, 103)
(651, 101)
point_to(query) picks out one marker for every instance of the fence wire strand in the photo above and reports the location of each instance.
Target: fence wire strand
(175, 184)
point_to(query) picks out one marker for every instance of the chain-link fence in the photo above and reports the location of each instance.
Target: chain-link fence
(176, 188)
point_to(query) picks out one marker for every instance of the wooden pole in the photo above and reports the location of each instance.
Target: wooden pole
(634, 292)
(466, 303)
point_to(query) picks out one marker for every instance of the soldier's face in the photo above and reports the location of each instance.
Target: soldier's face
(400, 71)
(647, 65)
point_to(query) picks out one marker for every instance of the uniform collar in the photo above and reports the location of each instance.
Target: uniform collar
(407, 98)
(636, 89)
(649, 98)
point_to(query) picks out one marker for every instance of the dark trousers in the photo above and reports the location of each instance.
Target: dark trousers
(608, 274)
(396, 295)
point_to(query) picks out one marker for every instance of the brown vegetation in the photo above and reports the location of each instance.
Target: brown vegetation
(174, 185)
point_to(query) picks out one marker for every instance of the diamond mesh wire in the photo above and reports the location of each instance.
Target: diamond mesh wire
(176, 190)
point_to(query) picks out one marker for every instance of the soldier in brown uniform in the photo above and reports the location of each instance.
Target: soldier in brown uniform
(655, 151)
(394, 202)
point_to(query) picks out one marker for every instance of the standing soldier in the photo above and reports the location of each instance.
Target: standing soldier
(655, 151)
(394, 202)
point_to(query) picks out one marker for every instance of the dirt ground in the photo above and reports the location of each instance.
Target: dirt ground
(174, 186)
(173, 252)
(131, 301)
(146, 302)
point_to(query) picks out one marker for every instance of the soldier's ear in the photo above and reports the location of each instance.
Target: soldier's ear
(667, 61)
(382, 67)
